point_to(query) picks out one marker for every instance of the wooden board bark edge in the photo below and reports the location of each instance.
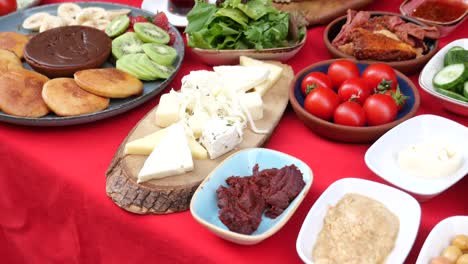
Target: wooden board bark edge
(146, 198)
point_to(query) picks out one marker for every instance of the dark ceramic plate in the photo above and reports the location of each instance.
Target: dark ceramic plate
(13, 22)
(348, 133)
(407, 66)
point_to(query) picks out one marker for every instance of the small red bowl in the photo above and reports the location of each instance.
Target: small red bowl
(348, 133)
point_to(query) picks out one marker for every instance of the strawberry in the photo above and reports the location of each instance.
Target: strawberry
(172, 37)
(136, 19)
(130, 29)
(160, 20)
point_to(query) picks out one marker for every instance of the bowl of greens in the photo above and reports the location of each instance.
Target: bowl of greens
(220, 33)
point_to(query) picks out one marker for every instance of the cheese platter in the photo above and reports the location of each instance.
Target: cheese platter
(156, 169)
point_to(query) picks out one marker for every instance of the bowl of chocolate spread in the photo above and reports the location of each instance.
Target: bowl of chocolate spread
(62, 51)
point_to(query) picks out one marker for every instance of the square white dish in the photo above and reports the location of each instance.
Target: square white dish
(381, 157)
(400, 203)
(435, 65)
(440, 237)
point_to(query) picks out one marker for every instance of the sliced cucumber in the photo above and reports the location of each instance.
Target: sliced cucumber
(456, 56)
(465, 89)
(450, 76)
(452, 95)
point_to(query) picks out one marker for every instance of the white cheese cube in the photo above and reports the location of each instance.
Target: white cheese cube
(254, 104)
(241, 78)
(275, 73)
(220, 137)
(167, 112)
(170, 157)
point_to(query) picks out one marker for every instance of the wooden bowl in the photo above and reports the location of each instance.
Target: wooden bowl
(348, 133)
(407, 66)
(228, 57)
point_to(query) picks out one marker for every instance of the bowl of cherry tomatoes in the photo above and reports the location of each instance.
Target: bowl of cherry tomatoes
(351, 101)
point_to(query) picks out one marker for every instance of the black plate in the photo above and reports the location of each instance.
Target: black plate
(13, 22)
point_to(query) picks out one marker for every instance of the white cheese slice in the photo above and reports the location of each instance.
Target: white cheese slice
(273, 77)
(253, 103)
(171, 156)
(220, 137)
(167, 112)
(208, 80)
(241, 78)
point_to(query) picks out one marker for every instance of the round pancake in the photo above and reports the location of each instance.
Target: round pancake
(20, 93)
(65, 98)
(109, 82)
(9, 61)
(14, 42)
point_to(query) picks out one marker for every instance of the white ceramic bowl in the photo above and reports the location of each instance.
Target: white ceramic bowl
(204, 206)
(401, 204)
(381, 157)
(434, 66)
(441, 236)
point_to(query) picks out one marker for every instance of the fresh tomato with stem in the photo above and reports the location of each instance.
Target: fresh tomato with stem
(314, 80)
(7, 6)
(321, 102)
(380, 77)
(350, 114)
(341, 70)
(380, 109)
(355, 89)
(398, 97)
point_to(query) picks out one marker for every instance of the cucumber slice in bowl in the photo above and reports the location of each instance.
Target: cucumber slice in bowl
(452, 95)
(450, 76)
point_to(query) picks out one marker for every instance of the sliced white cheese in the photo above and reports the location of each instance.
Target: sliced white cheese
(167, 112)
(202, 79)
(171, 156)
(241, 78)
(220, 137)
(273, 77)
(253, 103)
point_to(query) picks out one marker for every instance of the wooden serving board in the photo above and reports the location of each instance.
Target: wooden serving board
(173, 194)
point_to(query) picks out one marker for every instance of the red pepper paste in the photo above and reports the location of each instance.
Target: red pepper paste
(268, 191)
(441, 11)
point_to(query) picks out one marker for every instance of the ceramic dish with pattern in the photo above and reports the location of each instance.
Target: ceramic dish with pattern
(204, 206)
(12, 22)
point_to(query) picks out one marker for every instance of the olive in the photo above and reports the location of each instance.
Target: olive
(463, 259)
(452, 253)
(461, 242)
(440, 260)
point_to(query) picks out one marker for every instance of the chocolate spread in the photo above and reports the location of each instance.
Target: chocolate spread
(245, 199)
(64, 50)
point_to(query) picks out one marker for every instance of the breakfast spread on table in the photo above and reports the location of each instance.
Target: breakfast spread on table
(456, 252)
(357, 229)
(78, 59)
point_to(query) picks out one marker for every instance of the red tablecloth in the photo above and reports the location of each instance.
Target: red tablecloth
(54, 209)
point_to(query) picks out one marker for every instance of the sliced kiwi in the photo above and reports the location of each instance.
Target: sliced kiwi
(150, 33)
(127, 43)
(117, 26)
(160, 53)
(139, 65)
(162, 71)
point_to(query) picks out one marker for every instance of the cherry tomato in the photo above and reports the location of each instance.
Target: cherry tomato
(341, 70)
(321, 102)
(380, 109)
(314, 80)
(7, 6)
(355, 89)
(398, 97)
(350, 114)
(380, 77)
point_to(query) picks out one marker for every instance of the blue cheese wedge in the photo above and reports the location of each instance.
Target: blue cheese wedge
(170, 157)
(219, 137)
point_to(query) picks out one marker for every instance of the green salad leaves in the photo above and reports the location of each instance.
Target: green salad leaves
(233, 24)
